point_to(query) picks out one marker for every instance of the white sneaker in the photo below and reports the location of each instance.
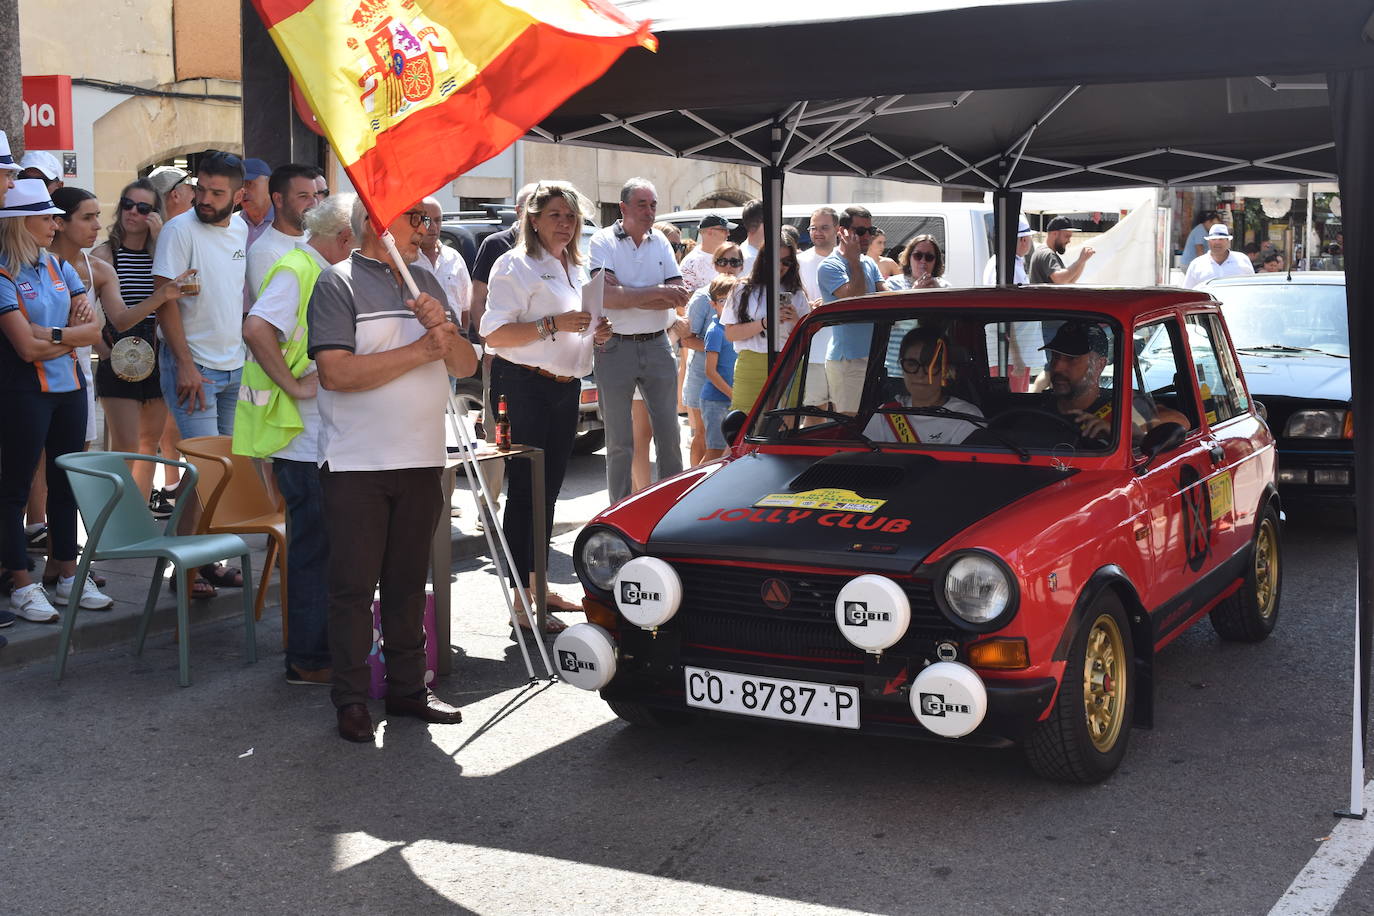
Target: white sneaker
(31, 603)
(92, 599)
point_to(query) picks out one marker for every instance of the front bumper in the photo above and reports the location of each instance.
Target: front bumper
(1311, 472)
(650, 673)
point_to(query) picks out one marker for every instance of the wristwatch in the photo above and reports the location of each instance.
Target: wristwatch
(57, 335)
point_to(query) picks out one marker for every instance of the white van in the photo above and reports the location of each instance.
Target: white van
(964, 231)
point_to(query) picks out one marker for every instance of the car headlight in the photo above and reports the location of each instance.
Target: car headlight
(979, 590)
(603, 553)
(1315, 424)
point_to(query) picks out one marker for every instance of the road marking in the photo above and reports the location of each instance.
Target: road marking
(1321, 884)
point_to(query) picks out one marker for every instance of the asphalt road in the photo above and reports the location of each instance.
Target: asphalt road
(126, 794)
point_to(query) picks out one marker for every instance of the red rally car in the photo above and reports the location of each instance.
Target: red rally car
(989, 546)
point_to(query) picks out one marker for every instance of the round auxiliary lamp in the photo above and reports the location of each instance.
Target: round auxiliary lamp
(132, 359)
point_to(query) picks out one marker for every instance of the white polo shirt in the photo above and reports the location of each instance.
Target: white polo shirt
(650, 263)
(808, 263)
(523, 288)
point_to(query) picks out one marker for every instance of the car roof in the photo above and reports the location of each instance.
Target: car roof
(1324, 277)
(1122, 303)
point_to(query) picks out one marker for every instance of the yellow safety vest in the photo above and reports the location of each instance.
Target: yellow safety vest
(266, 418)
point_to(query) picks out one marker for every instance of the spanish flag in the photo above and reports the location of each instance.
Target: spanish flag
(413, 93)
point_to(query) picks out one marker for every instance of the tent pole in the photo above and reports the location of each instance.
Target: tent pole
(772, 232)
(1352, 98)
(1006, 214)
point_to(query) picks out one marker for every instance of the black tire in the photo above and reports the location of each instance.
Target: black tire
(1251, 613)
(1085, 737)
(648, 716)
(590, 441)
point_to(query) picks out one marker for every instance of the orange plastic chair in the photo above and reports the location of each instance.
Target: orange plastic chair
(236, 501)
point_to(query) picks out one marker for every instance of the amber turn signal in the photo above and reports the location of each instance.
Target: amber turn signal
(600, 614)
(999, 653)
(1348, 428)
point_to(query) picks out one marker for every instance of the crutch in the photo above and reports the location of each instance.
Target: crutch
(483, 500)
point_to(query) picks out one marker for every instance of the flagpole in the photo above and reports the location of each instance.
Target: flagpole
(483, 496)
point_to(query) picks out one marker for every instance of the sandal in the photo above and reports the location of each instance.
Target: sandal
(552, 625)
(201, 590)
(222, 576)
(557, 602)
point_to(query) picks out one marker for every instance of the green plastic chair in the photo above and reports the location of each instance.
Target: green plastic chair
(119, 526)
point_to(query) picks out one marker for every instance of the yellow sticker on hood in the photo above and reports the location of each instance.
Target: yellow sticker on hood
(831, 499)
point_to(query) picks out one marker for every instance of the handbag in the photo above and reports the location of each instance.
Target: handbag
(376, 658)
(132, 359)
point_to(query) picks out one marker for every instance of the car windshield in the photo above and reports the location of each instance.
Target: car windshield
(972, 379)
(1286, 317)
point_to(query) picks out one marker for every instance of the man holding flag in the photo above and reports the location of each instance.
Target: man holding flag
(382, 357)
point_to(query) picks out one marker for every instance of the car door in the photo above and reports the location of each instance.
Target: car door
(1178, 535)
(1236, 479)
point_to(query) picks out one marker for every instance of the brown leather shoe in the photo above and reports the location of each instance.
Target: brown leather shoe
(355, 723)
(424, 706)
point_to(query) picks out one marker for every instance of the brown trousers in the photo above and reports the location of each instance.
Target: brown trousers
(381, 525)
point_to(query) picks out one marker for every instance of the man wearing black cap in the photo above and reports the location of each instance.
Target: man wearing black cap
(1047, 263)
(699, 267)
(1077, 354)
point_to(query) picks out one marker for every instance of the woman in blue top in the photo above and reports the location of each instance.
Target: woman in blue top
(45, 317)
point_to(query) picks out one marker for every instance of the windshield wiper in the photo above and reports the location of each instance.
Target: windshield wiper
(982, 422)
(843, 419)
(1281, 348)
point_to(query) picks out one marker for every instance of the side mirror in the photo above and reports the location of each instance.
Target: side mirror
(1163, 438)
(731, 424)
(1261, 409)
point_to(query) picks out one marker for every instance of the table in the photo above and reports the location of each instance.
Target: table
(441, 549)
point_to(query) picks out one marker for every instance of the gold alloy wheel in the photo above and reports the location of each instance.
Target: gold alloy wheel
(1104, 682)
(1266, 570)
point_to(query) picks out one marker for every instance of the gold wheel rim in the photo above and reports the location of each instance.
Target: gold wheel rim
(1266, 570)
(1105, 676)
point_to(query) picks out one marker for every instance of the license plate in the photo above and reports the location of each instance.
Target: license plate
(773, 698)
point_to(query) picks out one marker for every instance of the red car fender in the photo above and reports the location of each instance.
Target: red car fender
(637, 514)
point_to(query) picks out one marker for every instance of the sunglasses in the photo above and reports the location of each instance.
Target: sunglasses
(418, 219)
(729, 262)
(127, 204)
(678, 246)
(862, 231)
(923, 256)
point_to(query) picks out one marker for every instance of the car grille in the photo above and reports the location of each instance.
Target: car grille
(723, 611)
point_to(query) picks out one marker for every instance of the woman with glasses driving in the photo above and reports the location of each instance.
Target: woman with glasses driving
(926, 371)
(135, 413)
(702, 309)
(922, 265)
(746, 321)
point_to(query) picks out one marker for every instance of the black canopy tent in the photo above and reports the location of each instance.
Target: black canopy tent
(1022, 95)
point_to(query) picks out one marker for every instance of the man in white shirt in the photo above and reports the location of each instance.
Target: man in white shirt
(445, 263)
(752, 220)
(1024, 240)
(1219, 261)
(699, 267)
(643, 289)
(292, 190)
(824, 229)
(201, 356)
(278, 326)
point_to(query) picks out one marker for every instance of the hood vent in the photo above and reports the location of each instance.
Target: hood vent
(862, 478)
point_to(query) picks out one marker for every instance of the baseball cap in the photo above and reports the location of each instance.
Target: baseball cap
(1059, 223)
(1023, 229)
(166, 177)
(29, 197)
(1074, 338)
(714, 221)
(44, 161)
(6, 159)
(1219, 231)
(256, 168)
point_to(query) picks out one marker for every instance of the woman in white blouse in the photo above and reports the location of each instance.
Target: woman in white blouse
(541, 342)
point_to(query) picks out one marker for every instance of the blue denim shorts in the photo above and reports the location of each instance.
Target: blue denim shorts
(712, 412)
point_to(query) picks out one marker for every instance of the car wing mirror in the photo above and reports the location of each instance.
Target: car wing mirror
(731, 424)
(1163, 438)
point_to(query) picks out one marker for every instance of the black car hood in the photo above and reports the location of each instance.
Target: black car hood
(924, 503)
(1307, 376)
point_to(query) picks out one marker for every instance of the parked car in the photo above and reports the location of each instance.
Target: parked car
(964, 231)
(1010, 587)
(1294, 347)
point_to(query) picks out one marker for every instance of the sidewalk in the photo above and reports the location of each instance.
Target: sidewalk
(129, 580)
